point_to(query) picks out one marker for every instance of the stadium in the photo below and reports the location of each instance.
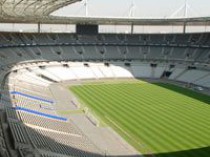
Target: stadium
(72, 87)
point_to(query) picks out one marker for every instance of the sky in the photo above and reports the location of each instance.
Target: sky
(141, 9)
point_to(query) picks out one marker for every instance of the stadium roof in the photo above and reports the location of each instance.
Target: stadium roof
(38, 11)
(205, 21)
(129, 21)
(30, 8)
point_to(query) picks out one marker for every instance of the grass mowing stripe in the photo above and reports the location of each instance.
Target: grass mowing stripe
(193, 94)
(186, 100)
(113, 114)
(152, 104)
(188, 134)
(151, 108)
(149, 129)
(96, 106)
(172, 106)
(164, 92)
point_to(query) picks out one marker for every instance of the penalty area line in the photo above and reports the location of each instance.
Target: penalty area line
(127, 134)
(118, 126)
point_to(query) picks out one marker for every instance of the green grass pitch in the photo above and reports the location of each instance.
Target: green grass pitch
(159, 119)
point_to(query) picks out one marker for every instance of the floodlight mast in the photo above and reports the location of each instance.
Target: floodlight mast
(86, 8)
(132, 10)
(132, 14)
(186, 9)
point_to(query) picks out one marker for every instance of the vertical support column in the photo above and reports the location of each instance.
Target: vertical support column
(205, 26)
(132, 28)
(184, 27)
(39, 27)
